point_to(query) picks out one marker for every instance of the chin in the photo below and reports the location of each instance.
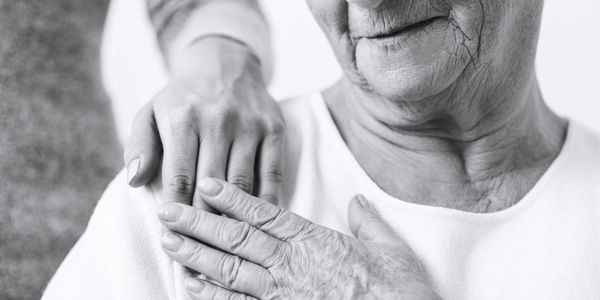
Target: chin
(411, 84)
(412, 67)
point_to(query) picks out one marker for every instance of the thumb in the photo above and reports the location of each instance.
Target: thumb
(367, 225)
(142, 150)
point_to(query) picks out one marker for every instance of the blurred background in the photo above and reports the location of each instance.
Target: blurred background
(568, 58)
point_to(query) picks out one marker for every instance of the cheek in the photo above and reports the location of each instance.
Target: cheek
(427, 62)
(416, 68)
(332, 17)
(483, 25)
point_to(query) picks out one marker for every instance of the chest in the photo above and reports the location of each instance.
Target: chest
(545, 248)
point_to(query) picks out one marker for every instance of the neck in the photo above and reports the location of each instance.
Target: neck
(473, 155)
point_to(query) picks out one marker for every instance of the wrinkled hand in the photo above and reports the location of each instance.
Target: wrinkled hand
(263, 251)
(214, 119)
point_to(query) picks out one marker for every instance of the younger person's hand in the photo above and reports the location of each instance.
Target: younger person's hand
(214, 119)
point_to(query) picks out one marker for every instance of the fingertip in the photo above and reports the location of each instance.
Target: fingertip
(133, 169)
(354, 214)
(359, 210)
(141, 170)
(210, 187)
(194, 285)
(360, 203)
(365, 203)
(172, 241)
(202, 198)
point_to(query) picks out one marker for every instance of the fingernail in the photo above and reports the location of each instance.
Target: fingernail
(210, 187)
(363, 201)
(194, 285)
(366, 204)
(170, 212)
(132, 169)
(171, 241)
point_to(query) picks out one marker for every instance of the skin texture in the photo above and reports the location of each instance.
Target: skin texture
(215, 118)
(276, 254)
(58, 147)
(455, 103)
(452, 112)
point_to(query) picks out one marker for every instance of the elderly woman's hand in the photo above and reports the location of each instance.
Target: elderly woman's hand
(214, 119)
(266, 252)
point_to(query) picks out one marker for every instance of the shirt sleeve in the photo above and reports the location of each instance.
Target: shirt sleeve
(232, 19)
(119, 256)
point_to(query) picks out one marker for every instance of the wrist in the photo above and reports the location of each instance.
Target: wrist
(239, 20)
(216, 55)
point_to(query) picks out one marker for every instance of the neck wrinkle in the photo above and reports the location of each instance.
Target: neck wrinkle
(520, 134)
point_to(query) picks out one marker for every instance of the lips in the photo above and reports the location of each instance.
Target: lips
(400, 29)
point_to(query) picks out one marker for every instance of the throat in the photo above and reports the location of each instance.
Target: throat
(485, 174)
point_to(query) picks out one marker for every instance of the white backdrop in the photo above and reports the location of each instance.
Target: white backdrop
(568, 57)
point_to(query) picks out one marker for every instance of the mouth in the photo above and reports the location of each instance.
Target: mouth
(406, 29)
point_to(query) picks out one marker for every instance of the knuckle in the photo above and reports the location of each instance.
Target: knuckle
(272, 198)
(193, 254)
(277, 257)
(229, 270)
(273, 174)
(241, 297)
(222, 294)
(222, 116)
(237, 236)
(181, 119)
(138, 149)
(243, 182)
(265, 214)
(229, 295)
(193, 221)
(232, 296)
(182, 185)
(232, 199)
(249, 131)
(276, 128)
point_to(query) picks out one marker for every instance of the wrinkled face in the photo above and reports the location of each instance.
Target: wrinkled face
(414, 49)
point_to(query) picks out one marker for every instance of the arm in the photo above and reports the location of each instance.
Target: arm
(215, 118)
(181, 23)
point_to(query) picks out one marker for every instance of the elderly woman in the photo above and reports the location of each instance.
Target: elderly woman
(478, 189)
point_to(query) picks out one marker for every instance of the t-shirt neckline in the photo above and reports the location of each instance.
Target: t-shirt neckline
(382, 198)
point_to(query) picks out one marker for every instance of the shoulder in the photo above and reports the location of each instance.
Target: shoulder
(583, 148)
(578, 165)
(306, 117)
(298, 109)
(121, 247)
(305, 122)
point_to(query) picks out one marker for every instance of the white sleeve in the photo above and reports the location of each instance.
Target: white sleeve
(231, 19)
(119, 256)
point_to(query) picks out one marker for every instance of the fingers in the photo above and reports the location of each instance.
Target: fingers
(230, 270)
(229, 235)
(212, 162)
(142, 150)
(203, 290)
(240, 168)
(259, 213)
(270, 169)
(367, 225)
(180, 144)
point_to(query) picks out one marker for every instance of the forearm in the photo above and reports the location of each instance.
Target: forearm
(182, 23)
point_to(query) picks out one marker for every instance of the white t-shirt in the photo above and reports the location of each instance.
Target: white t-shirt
(547, 246)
